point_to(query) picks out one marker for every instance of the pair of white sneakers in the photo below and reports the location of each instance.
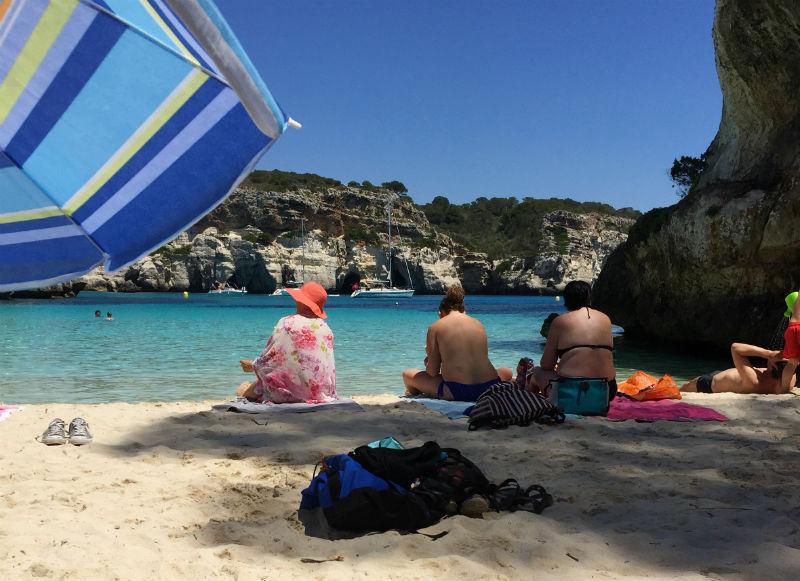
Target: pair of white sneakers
(56, 433)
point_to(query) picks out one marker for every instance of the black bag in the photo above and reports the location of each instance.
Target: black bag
(505, 404)
(429, 461)
(354, 499)
(377, 489)
(402, 466)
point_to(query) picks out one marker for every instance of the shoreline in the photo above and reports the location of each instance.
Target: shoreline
(173, 490)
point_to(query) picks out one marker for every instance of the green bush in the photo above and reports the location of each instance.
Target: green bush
(504, 266)
(560, 239)
(361, 235)
(647, 225)
(172, 251)
(504, 227)
(428, 242)
(263, 238)
(285, 181)
(686, 171)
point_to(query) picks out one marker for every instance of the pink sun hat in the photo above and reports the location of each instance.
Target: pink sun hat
(312, 295)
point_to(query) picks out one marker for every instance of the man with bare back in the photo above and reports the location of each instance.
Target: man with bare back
(744, 377)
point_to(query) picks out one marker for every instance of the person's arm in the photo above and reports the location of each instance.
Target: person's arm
(743, 350)
(740, 353)
(433, 362)
(550, 356)
(263, 361)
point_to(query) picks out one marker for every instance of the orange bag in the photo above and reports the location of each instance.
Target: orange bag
(641, 386)
(665, 388)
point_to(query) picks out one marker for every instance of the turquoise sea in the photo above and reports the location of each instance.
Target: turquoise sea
(164, 347)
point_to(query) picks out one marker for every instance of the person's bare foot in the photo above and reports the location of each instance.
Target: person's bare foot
(246, 389)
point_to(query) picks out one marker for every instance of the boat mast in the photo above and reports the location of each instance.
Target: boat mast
(389, 213)
(303, 237)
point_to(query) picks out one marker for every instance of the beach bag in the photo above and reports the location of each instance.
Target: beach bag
(579, 395)
(641, 386)
(438, 474)
(505, 404)
(354, 499)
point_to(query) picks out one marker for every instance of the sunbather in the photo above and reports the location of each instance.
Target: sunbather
(457, 366)
(579, 343)
(297, 365)
(744, 377)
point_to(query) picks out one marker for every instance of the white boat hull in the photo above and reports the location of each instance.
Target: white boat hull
(227, 292)
(383, 293)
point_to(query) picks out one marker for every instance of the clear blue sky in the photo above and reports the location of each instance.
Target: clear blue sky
(587, 99)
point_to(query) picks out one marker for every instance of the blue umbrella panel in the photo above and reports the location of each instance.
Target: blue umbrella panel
(121, 124)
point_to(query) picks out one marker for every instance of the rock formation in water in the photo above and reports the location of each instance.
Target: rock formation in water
(254, 239)
(716, 267)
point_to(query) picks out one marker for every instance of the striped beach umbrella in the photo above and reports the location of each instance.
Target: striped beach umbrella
(122, 122)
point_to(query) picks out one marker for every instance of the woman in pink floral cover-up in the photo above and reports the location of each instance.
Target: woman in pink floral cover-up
(297, 365)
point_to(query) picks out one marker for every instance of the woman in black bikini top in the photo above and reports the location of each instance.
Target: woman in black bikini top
(580, 342)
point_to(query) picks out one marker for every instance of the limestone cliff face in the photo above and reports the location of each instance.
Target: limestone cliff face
(254, 240)
(716, 267)
(574, 247)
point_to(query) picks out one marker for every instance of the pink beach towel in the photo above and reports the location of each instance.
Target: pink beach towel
(622, 408)
(6, 410)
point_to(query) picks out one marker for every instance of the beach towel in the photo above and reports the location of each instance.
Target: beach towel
(243, 405)
(7, 410)
(451, 409)
(621, 408)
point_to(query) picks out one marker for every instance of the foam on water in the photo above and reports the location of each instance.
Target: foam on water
(164, 347)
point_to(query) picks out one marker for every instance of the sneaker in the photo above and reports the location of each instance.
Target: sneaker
(474, 506)
(79, 432)
(55, 433)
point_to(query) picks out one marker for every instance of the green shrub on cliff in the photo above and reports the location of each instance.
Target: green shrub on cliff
(263, 238)
(686, 172)
(361, 235)
(428, 242)
(560, 238)
(647, 225)
(285, 181)
(505, 226)
(168, 251)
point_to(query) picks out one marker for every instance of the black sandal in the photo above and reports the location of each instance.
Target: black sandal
(504, 495)
(535, 499)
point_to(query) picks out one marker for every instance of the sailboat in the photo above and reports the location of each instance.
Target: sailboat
(225, 289)
(281, 291)
(383, 289)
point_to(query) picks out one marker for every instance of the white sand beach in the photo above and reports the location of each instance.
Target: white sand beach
(175, 491)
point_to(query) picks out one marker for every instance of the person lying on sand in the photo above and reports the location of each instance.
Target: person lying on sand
(744, 377)
(457, 366)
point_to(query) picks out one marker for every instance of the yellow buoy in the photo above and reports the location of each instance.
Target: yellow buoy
(558, 298)
(185, 294)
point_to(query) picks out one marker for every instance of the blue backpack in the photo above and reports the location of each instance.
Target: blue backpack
(354, 499)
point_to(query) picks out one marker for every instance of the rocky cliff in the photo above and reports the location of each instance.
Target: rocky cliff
(255, 239)
(715, 268)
